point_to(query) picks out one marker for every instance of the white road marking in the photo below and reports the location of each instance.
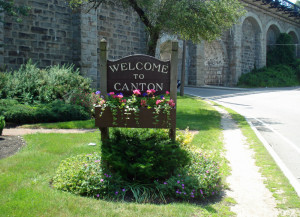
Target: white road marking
(281, 136)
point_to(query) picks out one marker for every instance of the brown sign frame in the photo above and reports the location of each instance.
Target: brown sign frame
(105, 86)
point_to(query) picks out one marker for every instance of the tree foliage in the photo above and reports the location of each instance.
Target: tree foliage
(12, 10)
(190, 19)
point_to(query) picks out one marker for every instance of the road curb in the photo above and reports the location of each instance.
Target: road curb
(293, 181)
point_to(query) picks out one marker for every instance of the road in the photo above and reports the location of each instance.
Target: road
(274, 112)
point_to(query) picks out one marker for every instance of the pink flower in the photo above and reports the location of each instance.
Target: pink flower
(101, 180)
(167, 93)
(171, 103)
(120, 96)
(137, 92)
(143, 103)
(152, 91)
(111, 93)
(158, 101)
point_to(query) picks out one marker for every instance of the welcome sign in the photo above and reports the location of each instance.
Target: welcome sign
(138, 72)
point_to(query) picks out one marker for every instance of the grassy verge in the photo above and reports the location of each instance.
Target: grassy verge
(24, 177)
(276, 182)
(88, 124)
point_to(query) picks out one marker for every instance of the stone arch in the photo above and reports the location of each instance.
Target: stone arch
(294, 36)
(215, 63)
(164, 50)
(251, 44)
(273, 32)
(295, 39)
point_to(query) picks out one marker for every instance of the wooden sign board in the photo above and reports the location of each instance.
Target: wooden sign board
(138, 72)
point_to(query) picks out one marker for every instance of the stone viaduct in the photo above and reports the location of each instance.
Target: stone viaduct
(53, 34)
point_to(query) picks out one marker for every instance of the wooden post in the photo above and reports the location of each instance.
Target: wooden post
(173, 81)
(103, 83)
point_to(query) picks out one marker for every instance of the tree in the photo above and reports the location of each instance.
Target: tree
(12, 10)
(190, 19)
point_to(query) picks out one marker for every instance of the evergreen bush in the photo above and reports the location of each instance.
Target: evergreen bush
(2, 124)
(143, 155)
(58, 110)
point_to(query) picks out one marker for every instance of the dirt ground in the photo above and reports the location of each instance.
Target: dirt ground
(9, 145)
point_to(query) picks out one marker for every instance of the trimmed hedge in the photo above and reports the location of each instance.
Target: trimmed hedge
(58, 110)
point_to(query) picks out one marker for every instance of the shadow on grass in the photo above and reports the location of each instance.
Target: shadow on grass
(202, 120)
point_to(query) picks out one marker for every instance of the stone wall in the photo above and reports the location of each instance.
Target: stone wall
(53, 34)
(45, 35)
(1, 42)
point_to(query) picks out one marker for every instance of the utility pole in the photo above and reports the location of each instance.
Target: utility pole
(182, 82)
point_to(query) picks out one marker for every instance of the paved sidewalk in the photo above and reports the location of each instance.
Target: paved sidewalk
(24, 131)
(245, 182)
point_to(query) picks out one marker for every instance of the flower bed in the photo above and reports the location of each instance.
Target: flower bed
(145, 118)
(138, 111)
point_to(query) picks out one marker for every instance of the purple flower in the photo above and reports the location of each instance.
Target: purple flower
(178, 181)
(145, 94)
(162, 96)
(98, 195)
(177, 192)
(182, 185)
(201, 191)
(116, 192)
(97, 92)
(192, 196)
(184, 193)
(123, 189)
(165, 183)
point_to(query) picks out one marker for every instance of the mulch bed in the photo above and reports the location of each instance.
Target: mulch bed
(9, 145)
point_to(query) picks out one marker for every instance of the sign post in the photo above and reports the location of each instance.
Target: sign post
(103, 83)
(137, 72)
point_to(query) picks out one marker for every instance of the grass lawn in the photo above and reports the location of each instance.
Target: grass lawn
(25, 177)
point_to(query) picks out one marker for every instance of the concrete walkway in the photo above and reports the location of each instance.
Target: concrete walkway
(24, 131)
(245, 182)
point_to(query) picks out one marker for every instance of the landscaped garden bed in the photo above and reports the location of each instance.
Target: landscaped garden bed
(35, 166)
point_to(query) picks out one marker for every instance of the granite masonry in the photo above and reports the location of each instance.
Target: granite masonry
(53, 34)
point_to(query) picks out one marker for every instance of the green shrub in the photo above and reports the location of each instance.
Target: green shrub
(296, 66)
(41, 113)
(30, 84)
(83, 175)
(274, 76)
(143, 155)
(2, 124)
(84, 99)
(3, 82)
(283, 53)
(198, 180)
